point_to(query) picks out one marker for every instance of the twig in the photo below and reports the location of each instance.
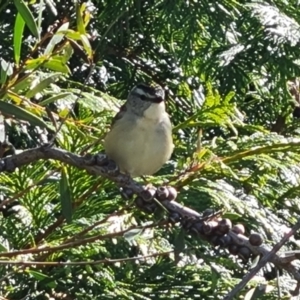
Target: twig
(80, 263)
(85, 231)
(81, 242)
(91, 227)
(262, 262)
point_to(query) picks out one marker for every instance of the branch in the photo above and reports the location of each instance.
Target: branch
(94, 165)
(79, 242)
(211, 228)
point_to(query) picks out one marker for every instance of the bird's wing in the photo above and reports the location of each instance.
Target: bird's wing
(119, 115)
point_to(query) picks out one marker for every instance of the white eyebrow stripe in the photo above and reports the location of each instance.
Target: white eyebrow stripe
(139, 91)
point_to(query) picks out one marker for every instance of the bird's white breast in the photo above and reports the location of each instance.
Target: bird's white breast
(141, 145)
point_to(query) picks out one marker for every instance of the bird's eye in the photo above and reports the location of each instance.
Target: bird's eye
(143, 97)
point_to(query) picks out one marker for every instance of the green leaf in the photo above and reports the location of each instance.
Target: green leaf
(6, 70)
(86, 45)
(57, 38)
(23, 84)
(80, 24)
(58, 65)
(42, 85)
(132, 234)
(2, 247)
(215, 277)
(38, 275)
(65, 195)
(27, 17)
(68, 52)
(179, 245)
(97, 103)
(18, 35)
(73, 35)
(258, 292)
(34, 63)
(3, 74)
(20, 113)
(52, 284)
(55, 98)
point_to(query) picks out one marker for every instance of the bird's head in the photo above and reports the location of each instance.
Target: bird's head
(153, 94)
(143, 96)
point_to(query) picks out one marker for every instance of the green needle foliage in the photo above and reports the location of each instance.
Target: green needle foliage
(231, 70)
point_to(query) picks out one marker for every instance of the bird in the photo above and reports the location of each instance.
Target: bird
(140, 138)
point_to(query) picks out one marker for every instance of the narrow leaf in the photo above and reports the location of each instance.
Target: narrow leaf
(80, 24)
(3, 74)
(2, 133)
(87, 46)
(57, 65)
(27, 17)
(42, 85)
(55, 98)
(6, 70)
(57, 38)
(37, 275)
(65, 195)
(179, 245)
(20, 113)
(258, 292)
(132, 234)
(68, 52)
(18, 36)
(3, 248)
(23, 84)
(34, 63)
(73, 35)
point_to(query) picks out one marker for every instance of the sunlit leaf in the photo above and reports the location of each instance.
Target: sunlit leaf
(18, 36)
(87, 46)
(65, 195)
(57, 64)
(37, 275)
(68, 52)
(80, 24)
(56, 97)
(42, 85)
(35, 63)
(23, 114)
(132, 234)
(27, 17)
(71, 34)
(6, 70)
(57, 38)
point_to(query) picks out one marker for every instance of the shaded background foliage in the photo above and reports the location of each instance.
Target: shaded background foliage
(230, 71)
